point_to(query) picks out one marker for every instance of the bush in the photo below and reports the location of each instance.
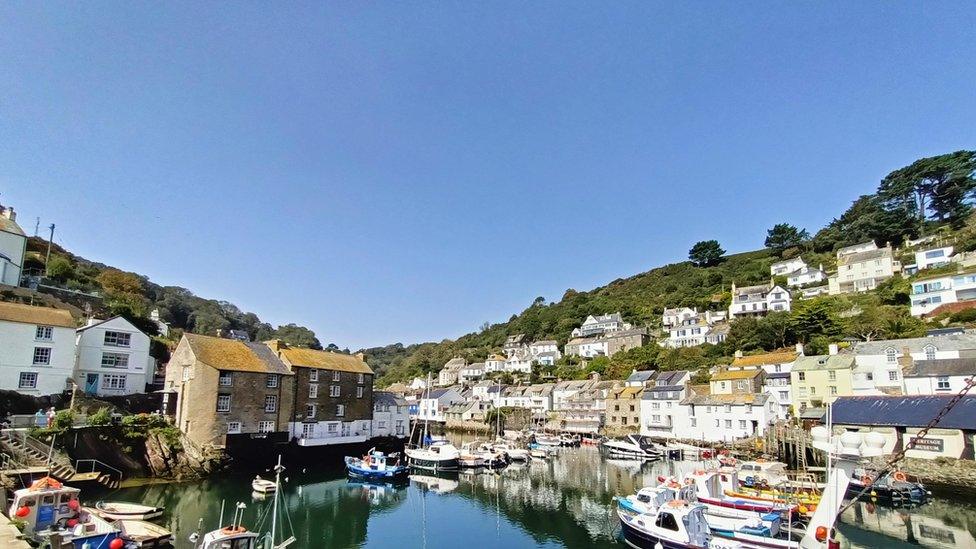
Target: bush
(100, 418)
(967, 315)
(64, 420)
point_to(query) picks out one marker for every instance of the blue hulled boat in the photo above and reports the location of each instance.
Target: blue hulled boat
(376, 465)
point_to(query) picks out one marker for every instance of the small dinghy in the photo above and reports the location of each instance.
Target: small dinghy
(376, 465)
(263, 486)
(119, 510)
(144, 534)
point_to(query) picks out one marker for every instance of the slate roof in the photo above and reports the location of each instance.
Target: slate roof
(864, 256)
(719, 400)
(390, 399)
(669, 378)
(544, 342)
(649, 392)
(778, 375)
(950, 342)
(823, 362)
(234, 355)
(904, 411)
(942, 367)
(437, 393)
(29, 314)
(641, 376)
(9, 226)
(765, 358)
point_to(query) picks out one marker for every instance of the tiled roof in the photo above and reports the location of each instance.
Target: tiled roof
(324, 360)
(735, 374)
(29, 314)
(765, 358)
(823, 362)
(942, 367)
(235, 355)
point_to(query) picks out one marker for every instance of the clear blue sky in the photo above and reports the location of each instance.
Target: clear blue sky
(383, 173)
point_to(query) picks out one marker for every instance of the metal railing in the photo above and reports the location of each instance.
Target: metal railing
(99, 466)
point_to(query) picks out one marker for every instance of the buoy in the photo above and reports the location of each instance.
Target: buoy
(900, 476)
(865, 480)
(116, 544)
(73, 505)
(803, 509)
(23, 511)
(72, 523)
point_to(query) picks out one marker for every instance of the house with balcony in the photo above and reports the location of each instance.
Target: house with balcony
(661, 402)
(112, 358)
(13, 247)
(697, 329)
(940, 376)
(391, 417)
(601, 324)
(861, 268)
(333, 395)
(515, 344)
(820, 379)
(933, 257)
(931, 293)
(229, 392)
(677, 315)
(758, 300)
(563, 390)
(879, 364)
(471, 372)
(37, 349)
(585, 411)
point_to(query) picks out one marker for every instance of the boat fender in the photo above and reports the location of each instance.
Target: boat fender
(900, 476)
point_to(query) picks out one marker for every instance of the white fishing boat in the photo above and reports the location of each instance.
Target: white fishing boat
(47, 508)
(513, 453)
(263, 485)
(632, 446)
(439, 456)
(547, 440)
(120, 510)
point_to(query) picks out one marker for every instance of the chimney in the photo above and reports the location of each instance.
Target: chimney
(9, 213)
(832, 349)
(799, 348)
(361, 356)
(92, 321)
(738, 354)
(905, 361)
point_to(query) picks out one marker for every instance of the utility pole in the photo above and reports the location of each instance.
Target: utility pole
(37, 226)
(47, 259)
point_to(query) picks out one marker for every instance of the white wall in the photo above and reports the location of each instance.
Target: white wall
(881, 370)
(930, 385)
(388, 419)
(91, 347)
(12, 246)
(17, 343)
(703, 426)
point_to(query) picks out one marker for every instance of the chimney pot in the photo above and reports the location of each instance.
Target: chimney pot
(799, 348)
(738, 354)
(9, 213)
(832, 349)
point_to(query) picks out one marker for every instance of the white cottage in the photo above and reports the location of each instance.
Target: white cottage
(879, 363)
(113, 358)
(37, 349)
(13, 245)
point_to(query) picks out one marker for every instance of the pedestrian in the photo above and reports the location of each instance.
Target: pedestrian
(50, 417)
(40, 419)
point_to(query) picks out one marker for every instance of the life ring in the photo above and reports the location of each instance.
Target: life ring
(228, 530)
(866, 480)
(900, 476)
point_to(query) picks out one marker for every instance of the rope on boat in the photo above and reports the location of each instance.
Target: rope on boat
(899, 455)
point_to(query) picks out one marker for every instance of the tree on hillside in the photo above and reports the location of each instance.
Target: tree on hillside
(297, 336)
(706, 253)
(784, 235)
(114, 281)
(939, 187)
(60, 269)
(866, 219)
(813, 319)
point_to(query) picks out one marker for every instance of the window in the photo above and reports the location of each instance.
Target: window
(784, 395)
(113, 381)
(272, 381)
(728, 424)
(270, 404)
(656, 418)
(813, 391)
(313, 375)
(778, 368)
(226, 379)
(44, 333)
(313, 390)
(359, 393)
(223, 403)
(186, 373)
(333, 390)
(655, 405)
(942, 383)
(340, 410)
(381, 424)
(266, 427)
(694, 421)
(728, 408)
(749, 409)
(742, 424)
(310, 411)
(891, 356)
(717, 423)
(740, 385)
(42, 356)
(28, 380)
(722, 384)
(115, 360)
(335, 376)
(893, 376)
(832, 375)
(803, 391)
(929, 352)
(233, 427)
(362, 378)
(833, 390)
(117, 339)
(801, 376)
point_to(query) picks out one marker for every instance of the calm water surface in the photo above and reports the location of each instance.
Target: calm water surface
(564, 502)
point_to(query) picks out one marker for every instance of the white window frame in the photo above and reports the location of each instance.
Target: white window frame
(30, 377)
(942, 383)
(334, 391)
(313, 375)
(313, 390)
(270, 404)
(113, 338)
(891, 356)
(359, 392)
(336, 376)
(233, 427)
(362, 378)
(271, 382)
(340, 410)
(310, 411)
(186, 373)
(225, 399)
(226, 379)
(42, 356)
(115, 360)
(44, 333)
(113, 382)
(266, 427)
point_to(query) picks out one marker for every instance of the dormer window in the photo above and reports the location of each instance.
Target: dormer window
(930, 352)
(891, 356)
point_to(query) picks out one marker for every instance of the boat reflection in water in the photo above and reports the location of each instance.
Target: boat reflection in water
(938, 524)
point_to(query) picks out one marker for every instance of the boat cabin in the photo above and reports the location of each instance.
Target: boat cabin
(44, 505)
(676, 522)
(230, 538)
(754, 472)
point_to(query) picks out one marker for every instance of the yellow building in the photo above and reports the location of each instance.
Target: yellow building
(819, 380)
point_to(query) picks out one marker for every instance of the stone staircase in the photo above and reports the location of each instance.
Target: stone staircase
(34, 453)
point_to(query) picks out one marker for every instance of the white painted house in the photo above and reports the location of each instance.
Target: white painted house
(113, 358)
(545, 351)
(933, 257)
(861, 268)
(451, 371)
(471, 372)
(13, 246)
(878, 364)
(37, 349)
(433, 404)
(942, 376)
(660, 404)
(494, 363)
(677, 315)
(758, 300)
(725, 418)
(390, 416)
(929, 294)
(697, 329)
(797, 272)
(601, 324)
(787, 266)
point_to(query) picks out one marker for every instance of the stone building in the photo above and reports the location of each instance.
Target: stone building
(225, 388)
(623, 409)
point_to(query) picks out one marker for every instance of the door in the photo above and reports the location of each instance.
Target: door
(91, 384)
(308, 430)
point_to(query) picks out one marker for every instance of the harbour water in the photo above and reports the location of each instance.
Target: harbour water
(563, 502)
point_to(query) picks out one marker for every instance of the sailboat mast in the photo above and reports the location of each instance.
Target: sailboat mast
(274, 507)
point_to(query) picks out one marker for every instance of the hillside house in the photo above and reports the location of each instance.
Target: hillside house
(820, 379)
(677, 315)
(226, 390)
(697, 329)
(772, 363)
(451, 371)
(641, 378)
(933, 257)
(861, 268)
(758, 300)
(601, 324)
(941, 376)
(467, 411)
(13, 247)
(660, 403)
(563, 390)
(736, 380)
(471, 372)
(585, 412)
(930, 293)
(434, 404)
(623, 409)
(545, 352)
(112, 358)
(37, 349)
(879, 363)
(607, 344)
(390, 415)
(494, 363)
(514, 344)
